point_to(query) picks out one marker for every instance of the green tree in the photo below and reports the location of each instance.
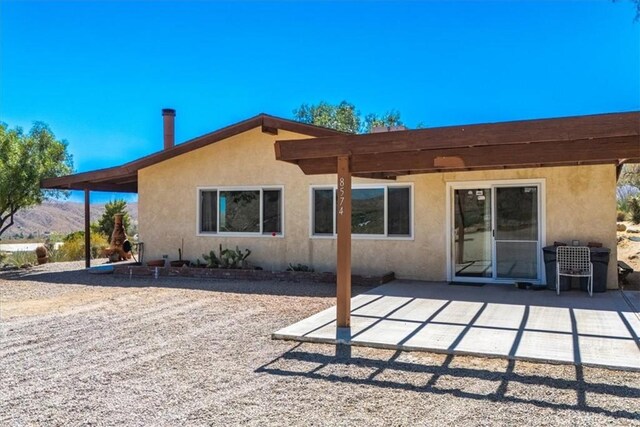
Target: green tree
(344, 117)
(106, 222)
(25, 160)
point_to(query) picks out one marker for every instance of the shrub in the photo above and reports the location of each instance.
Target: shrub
(20, 258)
(623, 194)
(73, 246)
(299, 267)
(634, 209)
(621, 216)
(58, 255)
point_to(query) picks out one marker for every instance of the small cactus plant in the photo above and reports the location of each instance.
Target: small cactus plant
(227, 258)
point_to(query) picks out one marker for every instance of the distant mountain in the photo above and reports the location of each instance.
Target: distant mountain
(59, 217)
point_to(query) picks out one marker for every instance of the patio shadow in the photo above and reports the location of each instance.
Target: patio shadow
(502, 322)
(390, 373)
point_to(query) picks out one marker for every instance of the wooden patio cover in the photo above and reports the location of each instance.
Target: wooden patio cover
(583, 140)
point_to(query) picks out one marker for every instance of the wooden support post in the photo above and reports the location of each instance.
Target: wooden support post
(87, 229)
(343, 215)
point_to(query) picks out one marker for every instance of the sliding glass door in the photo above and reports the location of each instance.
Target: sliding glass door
(496, 232)
(472, 243)
(516, 232)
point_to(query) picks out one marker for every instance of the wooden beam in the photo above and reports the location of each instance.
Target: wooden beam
(87, 229)
(607, 150)
(377, 175)
(588, 151)
(343, 215)
(109, 173)
(131, 187)
(122, 179)
(506, 133)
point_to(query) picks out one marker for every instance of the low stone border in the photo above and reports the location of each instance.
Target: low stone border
(219, 273)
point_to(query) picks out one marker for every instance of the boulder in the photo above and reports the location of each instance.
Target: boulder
(621, 227)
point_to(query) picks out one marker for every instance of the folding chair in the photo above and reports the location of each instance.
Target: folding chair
(574, 261)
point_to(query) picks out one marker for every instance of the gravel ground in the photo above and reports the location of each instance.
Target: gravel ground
(81, 349)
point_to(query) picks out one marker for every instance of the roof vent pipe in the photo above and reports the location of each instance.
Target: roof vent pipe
(168, 118)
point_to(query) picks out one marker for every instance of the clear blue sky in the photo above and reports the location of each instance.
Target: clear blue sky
(100, 72)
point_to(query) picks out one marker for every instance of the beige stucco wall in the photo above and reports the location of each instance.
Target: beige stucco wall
(580, 204)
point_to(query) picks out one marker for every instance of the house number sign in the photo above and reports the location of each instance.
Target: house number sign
(341, 196)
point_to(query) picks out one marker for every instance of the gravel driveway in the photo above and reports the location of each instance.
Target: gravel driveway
(80, 349)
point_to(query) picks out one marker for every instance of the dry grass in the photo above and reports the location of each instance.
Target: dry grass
(83, 349)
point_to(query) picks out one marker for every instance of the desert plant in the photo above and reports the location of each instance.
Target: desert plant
(212, 261)
(300, 267)
(634, 209)
(227, 258)
(624, 193)
(73, 247)
(57, 255)
(235, 258)
(21, 258)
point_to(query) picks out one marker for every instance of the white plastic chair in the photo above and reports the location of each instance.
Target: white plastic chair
(574, 261)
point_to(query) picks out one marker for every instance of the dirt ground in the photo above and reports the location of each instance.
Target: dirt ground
(101, 350)
(629, 252)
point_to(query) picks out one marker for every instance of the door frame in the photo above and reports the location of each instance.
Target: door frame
(491, 183)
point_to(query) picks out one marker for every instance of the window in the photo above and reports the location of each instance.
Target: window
(376, 211)
(240, 211)
(323, 211)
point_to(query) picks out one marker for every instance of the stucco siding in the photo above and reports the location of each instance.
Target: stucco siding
(580, 204)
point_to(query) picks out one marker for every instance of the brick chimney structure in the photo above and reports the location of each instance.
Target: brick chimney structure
(168, 118)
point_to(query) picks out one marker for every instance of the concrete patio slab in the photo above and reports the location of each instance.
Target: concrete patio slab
(546, 347)
(493, 320)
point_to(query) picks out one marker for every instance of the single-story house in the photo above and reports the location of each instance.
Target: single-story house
(465, 203)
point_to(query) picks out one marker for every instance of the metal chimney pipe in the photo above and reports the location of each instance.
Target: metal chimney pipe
(168, 118)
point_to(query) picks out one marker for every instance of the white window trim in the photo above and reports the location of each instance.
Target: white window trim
(260, 188)
(354, 236)
(462, 185)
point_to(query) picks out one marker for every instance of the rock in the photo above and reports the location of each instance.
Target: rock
(634, 238)
(633, 230)
(621, 227)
